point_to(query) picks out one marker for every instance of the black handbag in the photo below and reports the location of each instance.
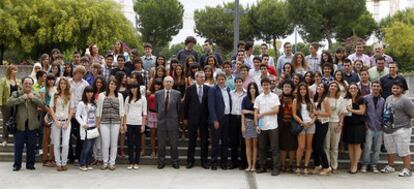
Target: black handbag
(11, 122)
(295, 127)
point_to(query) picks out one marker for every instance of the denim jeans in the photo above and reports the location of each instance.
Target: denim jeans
(372, 148)
(86, 152)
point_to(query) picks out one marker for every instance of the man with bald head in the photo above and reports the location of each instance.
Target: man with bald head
(167, 104)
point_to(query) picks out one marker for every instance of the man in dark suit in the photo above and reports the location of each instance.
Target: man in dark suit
(196, 115)
(167, 103)
(219, 106)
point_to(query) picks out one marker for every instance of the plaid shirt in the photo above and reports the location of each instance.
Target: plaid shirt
(106, 72)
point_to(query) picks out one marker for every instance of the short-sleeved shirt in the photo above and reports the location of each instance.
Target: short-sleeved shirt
(364, 58)
(398, 112)
(265, 103)
(375, 75)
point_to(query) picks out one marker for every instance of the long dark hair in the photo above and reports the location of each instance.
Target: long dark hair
(95, 88)
(134, 85)
(119, 76)
(88, 89)
(348, 94)
(107, 87)
(256, 88)
(156, 81)
(322, 97)
(299, 98)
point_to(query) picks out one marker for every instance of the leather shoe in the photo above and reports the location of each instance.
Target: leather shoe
(205, 166)
(233, 166)
(161, 165)
(213, 167)
(261, 170)
(275, 173)
(224, 167)
(176, 165)
(31, 168)
(190, 165)
(16, 168)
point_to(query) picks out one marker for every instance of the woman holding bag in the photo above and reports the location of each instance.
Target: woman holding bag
(61, 110)
(86, 117)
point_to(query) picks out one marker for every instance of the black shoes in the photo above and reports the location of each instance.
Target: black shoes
(176, 165)
(275, 173)
(213, 167)
(233, 166)
(223, 166)
(261, 170)
(161, 165)
(190, 165)
(205, 165)
(30, 168)
(16, 168)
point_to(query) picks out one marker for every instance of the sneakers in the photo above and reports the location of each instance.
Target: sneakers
(104, 167)
(374, 169)
(112, 167)
(130, 167)
(83, 168)
(405, 173)
(136, 166)
(90, 168)
(363, 169)
(387, 169)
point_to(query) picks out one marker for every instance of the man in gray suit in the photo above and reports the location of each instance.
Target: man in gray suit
(167, 102)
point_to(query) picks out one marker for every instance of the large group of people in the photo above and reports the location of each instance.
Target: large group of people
(299, 109)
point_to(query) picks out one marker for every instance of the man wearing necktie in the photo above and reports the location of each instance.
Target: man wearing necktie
(219, 106)
(196, 114)
(167, 104)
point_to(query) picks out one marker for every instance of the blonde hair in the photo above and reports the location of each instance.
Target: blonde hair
(9, 70)
(79, 69)
(67, 96)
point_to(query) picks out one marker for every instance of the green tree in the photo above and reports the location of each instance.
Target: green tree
(9, 31)
(321, 19)
(215, 24)
(362, 27)
(270, 21)
(398, 35)
(68, 25)
(159, 20)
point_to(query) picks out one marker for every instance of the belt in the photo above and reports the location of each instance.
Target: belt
(62, 120)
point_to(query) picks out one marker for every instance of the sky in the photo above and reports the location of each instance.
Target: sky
(383, 9)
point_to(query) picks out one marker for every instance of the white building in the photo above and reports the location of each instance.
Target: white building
(383, 8)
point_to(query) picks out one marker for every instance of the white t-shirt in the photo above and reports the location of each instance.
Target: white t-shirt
(265, 103)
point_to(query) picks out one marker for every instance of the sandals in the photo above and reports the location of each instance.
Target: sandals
(298, 171)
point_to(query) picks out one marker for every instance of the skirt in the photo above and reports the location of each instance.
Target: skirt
(353, 133)
(287, 140)
(152, 119)
(250, 129)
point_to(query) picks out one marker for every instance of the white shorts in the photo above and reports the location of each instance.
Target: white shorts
(398, 142)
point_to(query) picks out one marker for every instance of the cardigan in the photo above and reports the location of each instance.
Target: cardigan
(100, 102)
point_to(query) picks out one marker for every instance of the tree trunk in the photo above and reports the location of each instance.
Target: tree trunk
(275, 48)
(1, 53)
(329, 42)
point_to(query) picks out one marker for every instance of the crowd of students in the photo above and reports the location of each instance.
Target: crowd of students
(297, 107)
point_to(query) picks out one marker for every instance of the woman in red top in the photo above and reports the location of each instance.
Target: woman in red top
(152, 114)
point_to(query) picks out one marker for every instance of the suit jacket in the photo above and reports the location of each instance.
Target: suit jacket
(194, 111)
(216, 104)
(168, 120)
(26, 110)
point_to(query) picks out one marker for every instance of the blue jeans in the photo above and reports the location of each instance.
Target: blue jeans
(86, 152)
(372, 148)
(20, 139)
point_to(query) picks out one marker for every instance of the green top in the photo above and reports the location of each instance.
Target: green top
(26, 110)
(5, 90)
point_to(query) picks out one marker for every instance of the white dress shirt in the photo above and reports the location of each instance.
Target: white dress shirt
(237, 98)
(266, 103)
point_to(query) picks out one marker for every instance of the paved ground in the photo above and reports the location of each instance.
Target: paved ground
(196, 178)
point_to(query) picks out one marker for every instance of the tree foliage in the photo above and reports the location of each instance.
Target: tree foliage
(159, 20)
(215, 24)
(270, 20)
(398, 35)
(321, 19)
(64, 24)
(361, 27)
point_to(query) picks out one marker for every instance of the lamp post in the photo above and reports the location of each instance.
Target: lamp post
(236, 23)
